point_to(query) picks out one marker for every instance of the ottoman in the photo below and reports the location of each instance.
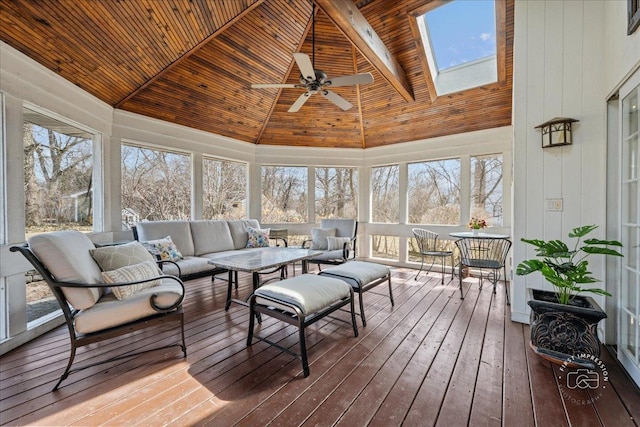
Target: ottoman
(362, 276)
(300, 301)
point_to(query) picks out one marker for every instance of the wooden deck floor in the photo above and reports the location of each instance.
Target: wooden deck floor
(433, 359)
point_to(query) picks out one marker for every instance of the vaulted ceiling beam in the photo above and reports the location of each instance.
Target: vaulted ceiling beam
(346, 16)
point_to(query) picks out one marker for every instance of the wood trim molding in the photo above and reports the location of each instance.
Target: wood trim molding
(346, 16)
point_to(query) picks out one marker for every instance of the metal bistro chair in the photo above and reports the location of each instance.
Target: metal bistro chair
(484, 254)
(428, 246)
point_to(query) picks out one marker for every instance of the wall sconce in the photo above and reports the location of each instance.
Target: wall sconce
(556, 132)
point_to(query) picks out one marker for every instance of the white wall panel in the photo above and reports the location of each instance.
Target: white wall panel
(568, 55)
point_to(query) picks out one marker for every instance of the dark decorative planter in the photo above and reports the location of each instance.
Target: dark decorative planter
(561, 332)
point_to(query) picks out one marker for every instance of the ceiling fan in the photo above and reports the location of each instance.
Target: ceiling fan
(316, 81)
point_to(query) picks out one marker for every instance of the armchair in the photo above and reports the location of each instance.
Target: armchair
(64, 261)
(336, 238)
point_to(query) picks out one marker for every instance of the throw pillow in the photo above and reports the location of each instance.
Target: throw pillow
(163, 249)
(319, 237)
(117, 256)
(257, 238)
(132, 273)
(335, 243)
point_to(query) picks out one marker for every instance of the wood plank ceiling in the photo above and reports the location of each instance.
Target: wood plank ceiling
(192, 62)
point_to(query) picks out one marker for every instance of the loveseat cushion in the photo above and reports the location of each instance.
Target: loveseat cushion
(109, 311)
(180, 232)
(211, 236)
(239, 231)
(66, 255)
(188, 265)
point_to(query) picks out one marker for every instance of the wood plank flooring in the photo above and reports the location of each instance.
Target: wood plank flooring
(432, 359)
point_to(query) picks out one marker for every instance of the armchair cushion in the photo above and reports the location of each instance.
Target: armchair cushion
(114, 257)
(132, 273)
(67, 257)
(257, 238)
(165, 249)
(334, 243)
(110, 311)
(319, 237)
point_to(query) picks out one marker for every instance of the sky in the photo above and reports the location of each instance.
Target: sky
(462, 31)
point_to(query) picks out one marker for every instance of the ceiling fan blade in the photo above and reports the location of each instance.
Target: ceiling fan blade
(299, 102)
(274, 85)
(337, 99)
(305, 65)
(356, 79)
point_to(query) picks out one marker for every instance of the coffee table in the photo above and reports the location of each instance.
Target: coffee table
(257, 261)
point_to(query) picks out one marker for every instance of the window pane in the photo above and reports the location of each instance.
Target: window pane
(156, 185)
(434, 192)
(284, 194)
(462, 32)
(336, 193)
(486, 189)
(385, 247)
(58, 168)
(224, 189)
(385, 201)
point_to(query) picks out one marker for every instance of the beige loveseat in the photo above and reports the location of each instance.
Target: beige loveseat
(198, 242)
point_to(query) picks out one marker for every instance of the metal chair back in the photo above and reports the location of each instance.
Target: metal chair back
(484, 254)
(428, 247)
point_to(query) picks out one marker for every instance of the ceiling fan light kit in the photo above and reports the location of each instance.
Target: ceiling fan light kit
(317, 81)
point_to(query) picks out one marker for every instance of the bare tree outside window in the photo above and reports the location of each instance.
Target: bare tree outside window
(434, 192)
(385, 194)
(336, 193)
(385, 208)
(284, 194)
(156, 185)
(224, 189)
(58, 176)
(486, 189)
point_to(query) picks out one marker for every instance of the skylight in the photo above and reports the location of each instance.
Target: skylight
(459, 39)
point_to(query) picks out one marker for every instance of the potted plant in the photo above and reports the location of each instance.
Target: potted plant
(564, 322)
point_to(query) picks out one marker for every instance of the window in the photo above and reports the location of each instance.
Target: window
(385, 194)
(58, 170)
(284, 194)
(336, 193)
(224, 189)
(58, 189)
(460, 43)
(385, 247)
(434, 192)
(156, 185)
(486, 189)
(633, 12)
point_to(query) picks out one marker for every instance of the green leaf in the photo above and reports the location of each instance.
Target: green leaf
(582, 231)
(534, 242)
(601, 251)
(603, 242)
(529, 266)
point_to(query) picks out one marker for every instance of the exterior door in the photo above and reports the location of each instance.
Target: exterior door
(629, 287)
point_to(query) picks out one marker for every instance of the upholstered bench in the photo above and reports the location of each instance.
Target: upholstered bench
(300, 301)
(362, 276)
